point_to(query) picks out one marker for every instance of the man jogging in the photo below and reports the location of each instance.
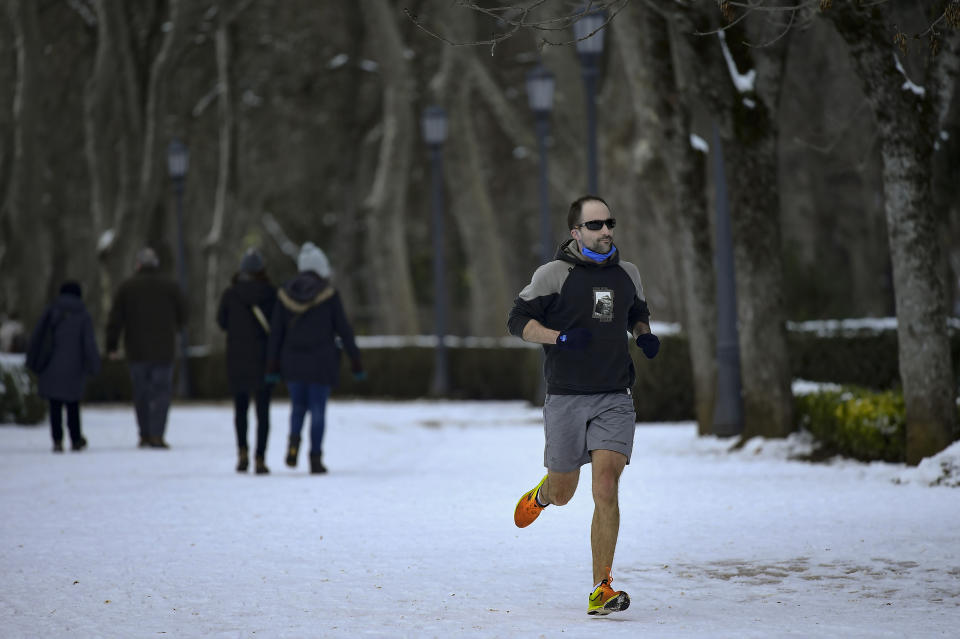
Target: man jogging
(580, 307)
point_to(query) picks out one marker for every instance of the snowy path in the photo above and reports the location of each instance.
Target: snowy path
(411, 535)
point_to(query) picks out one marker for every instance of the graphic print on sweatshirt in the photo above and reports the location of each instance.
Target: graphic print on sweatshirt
(603, 304)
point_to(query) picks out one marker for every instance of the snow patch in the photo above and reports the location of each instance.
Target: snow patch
(943, 469)
(744, 82)
(106, 240)
(806, 387)
(699, 143)
(908, 84)
(338, 61)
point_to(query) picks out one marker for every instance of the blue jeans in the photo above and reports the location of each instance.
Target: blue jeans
(312, 397)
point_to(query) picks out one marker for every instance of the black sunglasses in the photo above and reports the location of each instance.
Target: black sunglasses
(596, 225)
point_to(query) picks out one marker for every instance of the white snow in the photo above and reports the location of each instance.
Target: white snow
(105, 241)
(744, 82)
(908, 84)
(699, 143)
(338, 61)
(411, 535)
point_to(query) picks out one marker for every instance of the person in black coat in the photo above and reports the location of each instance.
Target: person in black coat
(149, 309)
(65, 332)
(244, 312)
(303, 348)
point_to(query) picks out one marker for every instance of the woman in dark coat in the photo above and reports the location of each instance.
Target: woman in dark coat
(244, 313)
(303, 349)
(66, 325)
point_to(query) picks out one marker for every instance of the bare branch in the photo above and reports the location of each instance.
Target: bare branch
(517, 18)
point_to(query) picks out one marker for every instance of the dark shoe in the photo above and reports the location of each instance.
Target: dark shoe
(144, 442)
(243, 460)
(58, 447)
(78, 445)
(157, 442)
(316, 465)
(293, 449)
(261, 467)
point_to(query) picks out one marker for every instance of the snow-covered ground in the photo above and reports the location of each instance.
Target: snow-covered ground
(411, 535)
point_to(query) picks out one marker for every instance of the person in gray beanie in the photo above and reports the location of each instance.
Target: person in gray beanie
(244, 312)
(304, 352)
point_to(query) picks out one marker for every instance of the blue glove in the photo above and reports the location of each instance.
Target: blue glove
(649, 344)
(360, 376)
(575, 339)
(272, 378)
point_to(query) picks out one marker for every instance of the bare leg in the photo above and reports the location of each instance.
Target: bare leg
(559, 487)
(607, 466)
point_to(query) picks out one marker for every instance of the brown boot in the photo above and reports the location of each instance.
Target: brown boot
(293, 449)
(261, 466)
(243, 460)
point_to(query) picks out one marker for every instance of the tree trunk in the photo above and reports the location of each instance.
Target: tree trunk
(749, 131)
(122, 141)
(212, 245)
(385, 208)
(649, 45)
(471, 203)
(21, 213)
(907, 121)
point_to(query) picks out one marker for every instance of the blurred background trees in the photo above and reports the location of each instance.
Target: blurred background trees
(302, 121)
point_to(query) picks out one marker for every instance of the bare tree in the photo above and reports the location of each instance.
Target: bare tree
(742, 84)
(20, 210)
(225, 195)
(124, 105)
(472, 204)
(909, 113)
(661, 70)
(385, 209)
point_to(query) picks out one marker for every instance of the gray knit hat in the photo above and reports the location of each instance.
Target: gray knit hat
(313, 259)
(147, 257)
(252, 262)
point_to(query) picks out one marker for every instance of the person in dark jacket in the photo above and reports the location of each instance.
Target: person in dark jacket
(148, 310)
(244, 312)
(303, 348)
(73, 356)
(580, 306)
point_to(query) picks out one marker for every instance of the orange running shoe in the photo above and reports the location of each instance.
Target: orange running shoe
(604, 599)
(527, 508)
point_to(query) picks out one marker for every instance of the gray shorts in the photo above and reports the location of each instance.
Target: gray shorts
(574, 425)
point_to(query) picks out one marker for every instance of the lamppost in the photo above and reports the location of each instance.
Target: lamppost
(728, 409)
(434, 124)
(178, 160)
(540, 84)
(590, 48)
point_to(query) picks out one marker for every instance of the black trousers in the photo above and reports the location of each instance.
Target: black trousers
(241, 404)
(152, 393)
(73, 420)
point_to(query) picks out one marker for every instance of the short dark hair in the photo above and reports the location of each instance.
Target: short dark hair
(576, 208)
(71, 287)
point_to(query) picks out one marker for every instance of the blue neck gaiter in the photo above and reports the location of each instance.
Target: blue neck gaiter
(598, 257)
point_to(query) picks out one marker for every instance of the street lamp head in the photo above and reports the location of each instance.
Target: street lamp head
(540, 84)
(587, 23)
(178, 159)
(434, 125)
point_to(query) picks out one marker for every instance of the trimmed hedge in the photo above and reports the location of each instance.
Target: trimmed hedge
(867, 358)
(855, 422)
(663, 391)
(19, 401)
